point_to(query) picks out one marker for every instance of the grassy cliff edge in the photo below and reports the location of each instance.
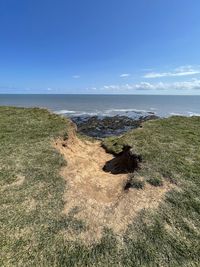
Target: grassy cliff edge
(32, 223)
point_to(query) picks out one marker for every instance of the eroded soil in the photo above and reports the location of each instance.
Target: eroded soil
(96, 197)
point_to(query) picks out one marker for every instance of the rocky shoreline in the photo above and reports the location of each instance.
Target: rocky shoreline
(101, 127)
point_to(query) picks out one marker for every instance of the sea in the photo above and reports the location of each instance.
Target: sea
(108, 105)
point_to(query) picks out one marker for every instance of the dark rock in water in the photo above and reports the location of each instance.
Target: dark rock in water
(151, 113)
(107, 126)
(125, 162)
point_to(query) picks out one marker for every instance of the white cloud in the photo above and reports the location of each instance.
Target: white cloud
(76, 76)
(193, 84)
(181, 71)
(132, 87)
(125, 75)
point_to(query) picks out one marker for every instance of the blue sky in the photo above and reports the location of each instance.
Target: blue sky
(100, 47)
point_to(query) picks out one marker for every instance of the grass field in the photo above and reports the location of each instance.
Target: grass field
(32, 224)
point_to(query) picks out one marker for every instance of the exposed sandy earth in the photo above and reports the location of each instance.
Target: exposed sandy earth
(97, 197)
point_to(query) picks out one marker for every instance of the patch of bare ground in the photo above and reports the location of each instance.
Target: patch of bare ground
(98, 198)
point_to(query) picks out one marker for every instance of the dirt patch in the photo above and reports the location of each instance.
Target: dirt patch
(99, 197)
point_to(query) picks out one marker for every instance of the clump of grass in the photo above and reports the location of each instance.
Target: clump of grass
(137, 183)
(134, 182)
(155, 181)
(113, 145)
(65, 136)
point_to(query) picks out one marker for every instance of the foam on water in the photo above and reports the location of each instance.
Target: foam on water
(60, 112)
(193, 114)
(133, 113)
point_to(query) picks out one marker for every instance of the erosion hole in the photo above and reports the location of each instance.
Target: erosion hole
(124, 162)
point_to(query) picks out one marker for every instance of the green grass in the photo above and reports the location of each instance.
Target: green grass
(135, 182)
(171, 150)
(155, 181)
(32, 223)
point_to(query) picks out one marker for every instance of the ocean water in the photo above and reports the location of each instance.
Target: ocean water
(108, 105)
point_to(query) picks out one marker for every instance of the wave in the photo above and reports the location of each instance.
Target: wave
(128, 110)
(176, 114)
(60, 112)
(189, 113)
(106, 112)
(193, 114)
(86, 113)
